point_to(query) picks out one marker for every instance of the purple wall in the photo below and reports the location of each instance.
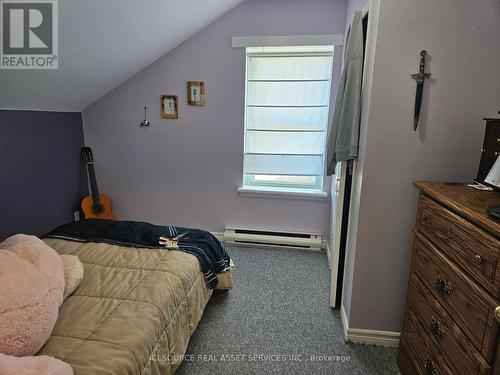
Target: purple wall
(186, 171)
(464, 88)
(41, 176)
(354, 6)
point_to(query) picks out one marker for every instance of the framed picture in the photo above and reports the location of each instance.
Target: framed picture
(169, 106)
(196, 92)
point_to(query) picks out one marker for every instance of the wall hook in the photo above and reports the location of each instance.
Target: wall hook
(145, 122)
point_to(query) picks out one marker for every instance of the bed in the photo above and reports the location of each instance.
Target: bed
(134, 311)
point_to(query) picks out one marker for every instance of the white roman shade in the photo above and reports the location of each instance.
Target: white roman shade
(287, 105)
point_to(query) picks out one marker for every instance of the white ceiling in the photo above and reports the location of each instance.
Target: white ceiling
(101, 44)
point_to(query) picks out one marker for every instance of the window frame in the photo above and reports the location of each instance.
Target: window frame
(249, 186)
(318, 185)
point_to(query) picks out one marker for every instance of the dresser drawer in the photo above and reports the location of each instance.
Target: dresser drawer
(472, 308)
(423, 354)
(470, 247)
(443, 331)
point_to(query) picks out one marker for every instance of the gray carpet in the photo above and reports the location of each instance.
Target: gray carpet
(278, 308)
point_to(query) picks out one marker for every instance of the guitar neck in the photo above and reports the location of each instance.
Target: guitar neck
(94, 191)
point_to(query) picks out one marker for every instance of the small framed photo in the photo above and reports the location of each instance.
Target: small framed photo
(170, 106)
(196, 92)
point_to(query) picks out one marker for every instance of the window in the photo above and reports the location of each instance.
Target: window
(286, 116)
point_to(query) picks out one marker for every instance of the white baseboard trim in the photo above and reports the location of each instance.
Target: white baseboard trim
(368, 337)
(324, 244)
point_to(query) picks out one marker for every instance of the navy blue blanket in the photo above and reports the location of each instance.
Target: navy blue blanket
(202, 244)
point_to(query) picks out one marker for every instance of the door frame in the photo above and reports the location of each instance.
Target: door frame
(343, 208)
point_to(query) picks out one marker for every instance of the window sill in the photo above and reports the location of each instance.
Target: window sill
(275, 193)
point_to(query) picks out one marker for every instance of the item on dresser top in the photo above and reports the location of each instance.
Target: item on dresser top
(489, 167)
(209, 251)
(450, 324)
(478, 186)
(494, 210)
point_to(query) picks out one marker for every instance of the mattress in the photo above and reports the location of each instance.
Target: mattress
(133, 313)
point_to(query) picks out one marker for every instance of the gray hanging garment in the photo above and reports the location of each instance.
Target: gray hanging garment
(343, 136)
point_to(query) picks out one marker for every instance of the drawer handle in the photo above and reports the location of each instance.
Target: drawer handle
(436, 328)
(478, 258)
(429, 367)
(497, 314)
(443, 286)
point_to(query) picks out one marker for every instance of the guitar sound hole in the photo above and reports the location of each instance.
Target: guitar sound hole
(97, 209)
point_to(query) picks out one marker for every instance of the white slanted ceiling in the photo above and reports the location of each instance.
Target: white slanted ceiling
(101, 44)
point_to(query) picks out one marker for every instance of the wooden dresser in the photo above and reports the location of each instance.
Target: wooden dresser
(451, 320)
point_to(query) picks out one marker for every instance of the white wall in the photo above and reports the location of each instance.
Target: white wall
(463, 42)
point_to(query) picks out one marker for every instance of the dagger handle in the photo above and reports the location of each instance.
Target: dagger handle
(422, 60)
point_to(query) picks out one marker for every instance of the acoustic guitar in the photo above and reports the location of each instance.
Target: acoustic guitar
(95, 206)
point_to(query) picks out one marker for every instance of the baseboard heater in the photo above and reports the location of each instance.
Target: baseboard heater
(312, 241)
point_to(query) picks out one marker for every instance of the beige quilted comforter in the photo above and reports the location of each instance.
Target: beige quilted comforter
(133, 313)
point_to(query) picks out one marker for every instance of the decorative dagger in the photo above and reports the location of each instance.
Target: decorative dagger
(419, 78)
